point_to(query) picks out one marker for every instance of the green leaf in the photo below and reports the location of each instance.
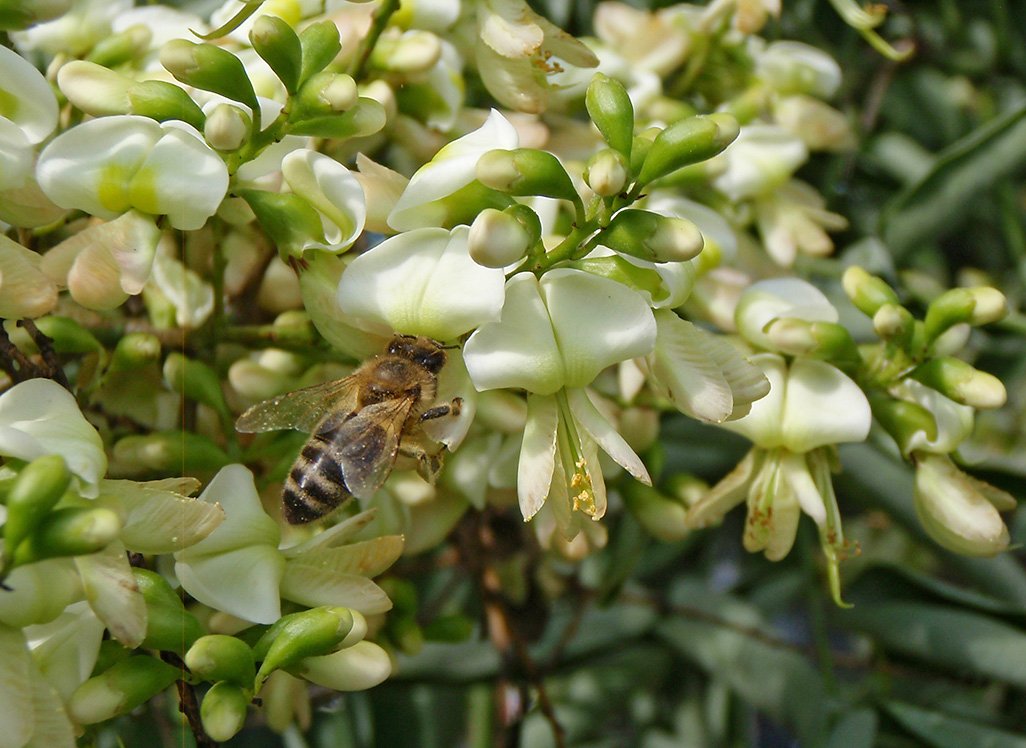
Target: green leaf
(365, 118)
(856, 729)
(941, 731)
(958, 640)
(963, 171)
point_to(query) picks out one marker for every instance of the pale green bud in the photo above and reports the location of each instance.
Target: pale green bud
(135, 350)
(653, 237)
(799, 337)
(325, 93)
(894, 322)
(195, 380)
(975, 306)
(409, 52)
(501, 237)
(209, 68)
(961, 382)
(162, 101)
(168, 450)
(365, 117)
(607, 173)
(611, 110)
(526, 171)
(217, 657)
(119, 689)
(321, 45)
(73, 531)
(289, 220)
(16, 15)
(226, 127)
(169, 626)
(903, 420)
(867, 292)
(122, 47)
(688, 141)
(94, 89)
(67, 335)
(279, 46)
(310, 633)
(36, 490)
(661, 516)
(223, 711)
(991, 305)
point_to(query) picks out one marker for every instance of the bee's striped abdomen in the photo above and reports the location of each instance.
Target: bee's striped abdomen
(315, 484)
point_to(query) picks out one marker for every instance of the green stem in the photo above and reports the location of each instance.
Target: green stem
(378, 24)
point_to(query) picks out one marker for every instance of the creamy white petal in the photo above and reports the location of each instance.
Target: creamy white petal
(242, 582)
(15, 698)
(607, 437)
(191, 295)
(25, 289)
(39, 592)
(764, 422)
(725, 495)
(685, 373)
(796, 473)
(332, 190)
(356, 668)
(314, 585)
(65, 649)
(112, 593)
(823, 406)
(28, 99)
(245, 524)
(954, 420)
(537, 454)
(39, 417)
(16, 155)
(762, 158)
(767, 300)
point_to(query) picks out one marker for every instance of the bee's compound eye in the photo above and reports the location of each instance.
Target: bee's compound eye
(433, 361)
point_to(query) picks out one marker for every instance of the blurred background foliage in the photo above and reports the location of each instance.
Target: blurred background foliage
(697, 643)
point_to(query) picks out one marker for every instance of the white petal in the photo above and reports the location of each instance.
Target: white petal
(725, 495)
(332, 190)
(796, 472)
(537, 454)
(954, 421)
(15, 698)
(763, 157)
(597, 322)
(25, 290)
(243, 582)
(685, 373)
(422, 282)
(90, 166)
(112, 593)
(453, 381)
(356, 668)
(452, 168)
(39, 592)
(367, 558)
(607, 437)
(312, 585)
(764, 422)
(245, 524)
(65, 649)
(28, 99)
(520, 349)
(191, 296)
(16, 155)
(823, 406)
(39, 417)
(767, 300)
(786, 64)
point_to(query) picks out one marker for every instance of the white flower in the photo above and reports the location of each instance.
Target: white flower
(186, 291)
(451, 169)
(330, 188)
(794, 219)
(27, 99)
(954, 421)
(237, 568)
(794, 67)
(75, 32)
(25, 290)
(66, 648)
(761, 159)
(109, 165)
(779, 298)
(422, 282)
(39, 417)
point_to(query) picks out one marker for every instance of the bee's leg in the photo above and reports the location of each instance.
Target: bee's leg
(452, 408)
(429, 464)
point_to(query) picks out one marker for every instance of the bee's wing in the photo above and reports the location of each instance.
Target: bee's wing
(367, 443)
(302, 409)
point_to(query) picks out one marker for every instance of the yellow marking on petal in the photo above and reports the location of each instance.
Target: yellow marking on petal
(144, 192)
(9, 105)
(112, 189)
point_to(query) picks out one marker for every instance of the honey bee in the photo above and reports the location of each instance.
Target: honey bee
(358, 426)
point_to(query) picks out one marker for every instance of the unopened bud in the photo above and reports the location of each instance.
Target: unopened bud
(660, 515)
(499, 238)
(799, 337)
(653, 237)
(223, 711)
(73, 531)
(133, 351)
(289, 220)
(407, 52)
(321, 45)
(226, 127)
(218, 657)
(36, 490)
(195, 380)
(121, 688)
(168, 450)
(363, 118)
(611, 110)
(67, 335)
(640, 147)
(961, 382)
(123, 47)
(163, 101)
(313, 632)
(990, 305)
(607, 173)
(952, 307)
(687, 142)
(209, 68)
(894, 322)
(276, 42)
(169, 626)
(94, 89)
(621, 270)
(867, 292)
(325, 93)
(17, 16)
(907, 422)
(526, 171)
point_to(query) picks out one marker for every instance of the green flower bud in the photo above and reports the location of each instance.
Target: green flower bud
(365, 117)
(95, 89)
(17, 16)
(73, 531)
(169, 626)
(951, 308)
(35, 492)
(325, 94)
(196, 381)
(67, 335)
(121, 48)
(311, 633)
(289, 220)
(168, 450)
(223, 710)
(526, 171)
(799, 337)
(661, 516)
(687, 142)
(133, 351)
(650, 236)
(209, 68)
(640, 147)
(611, 110)
(618, 269)
(607, 173)
(961, 382)
(111, 652)
(894, 322)
(501, 237)
(218, 657)
(867, 292)
(412, 52)
(164, 101)
(226, 128)
(121, 688)
(279, 46)
(321, 45)
(903, 420)
(990, 305)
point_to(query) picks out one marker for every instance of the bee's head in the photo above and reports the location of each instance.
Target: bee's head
(422, 351)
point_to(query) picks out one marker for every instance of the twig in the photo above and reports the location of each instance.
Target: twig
(188, 704)
(53, 368)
